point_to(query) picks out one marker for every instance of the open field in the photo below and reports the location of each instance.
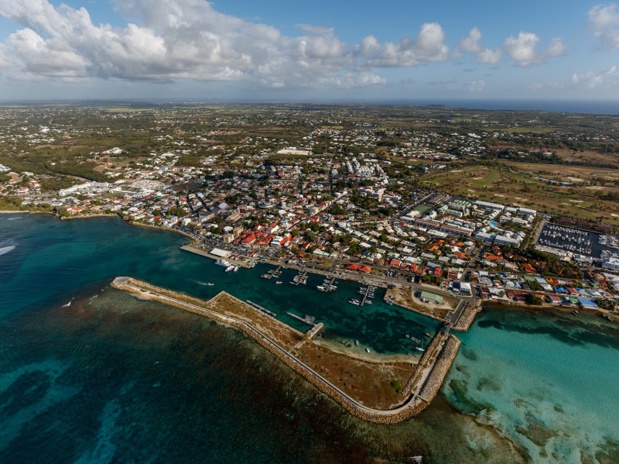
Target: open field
(123, 109)
(563, 172)
(521, 184)
(588, 157)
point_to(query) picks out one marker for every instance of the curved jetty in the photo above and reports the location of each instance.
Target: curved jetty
(285, 343)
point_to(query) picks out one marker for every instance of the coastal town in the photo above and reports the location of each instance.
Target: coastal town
(353, 196)
(375, 199)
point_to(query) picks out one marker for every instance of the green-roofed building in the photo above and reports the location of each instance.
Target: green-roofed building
(431, 297)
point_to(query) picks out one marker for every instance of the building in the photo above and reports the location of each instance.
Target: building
(611, 263)
(587, 303)
(428, 297)
(220, 253)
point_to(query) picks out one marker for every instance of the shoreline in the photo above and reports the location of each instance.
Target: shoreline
(344, 275)
(550, 307)
(436, 360)
(87, 216)
(151, 226)
(25, 211)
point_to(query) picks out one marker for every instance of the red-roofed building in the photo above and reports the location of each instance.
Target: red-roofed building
(528, 268)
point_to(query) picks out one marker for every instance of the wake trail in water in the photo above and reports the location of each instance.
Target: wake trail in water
(6, 249)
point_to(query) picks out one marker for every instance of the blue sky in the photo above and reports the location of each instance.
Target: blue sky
(278, 50)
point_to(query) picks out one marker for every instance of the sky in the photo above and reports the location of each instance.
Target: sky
(323, 50)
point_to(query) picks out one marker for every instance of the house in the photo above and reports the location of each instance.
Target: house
(587, 303)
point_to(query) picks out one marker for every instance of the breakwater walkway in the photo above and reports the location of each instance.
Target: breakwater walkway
(426, 381)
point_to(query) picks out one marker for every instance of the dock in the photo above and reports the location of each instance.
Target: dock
(309, 320)
(369, 289)
(234, 261)
(300, 278)
(328, 285)
(260, 308)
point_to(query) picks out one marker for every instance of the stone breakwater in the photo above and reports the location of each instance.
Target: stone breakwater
(436, 361)
(467, 317)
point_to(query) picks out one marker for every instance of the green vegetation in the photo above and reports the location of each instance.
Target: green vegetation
(397, 386)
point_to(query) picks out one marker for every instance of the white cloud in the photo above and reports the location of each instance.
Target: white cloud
(476, 85)
(604, 21)
(189, 39)
(427, 47)
(592, 80)
(470, 44)
(522, 49)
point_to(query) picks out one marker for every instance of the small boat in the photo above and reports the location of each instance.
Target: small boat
(320, 287)
(428, 334)
(367, 350)
(389, 302)
(356, 342)
(279, 282)
(418, 348)
(607, 317)
(229, 268)
(236, 268)
(575, 312)
(354, 301)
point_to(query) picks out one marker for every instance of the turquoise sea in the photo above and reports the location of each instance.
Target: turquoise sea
(90, 374)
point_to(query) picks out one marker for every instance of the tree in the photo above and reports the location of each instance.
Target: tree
(533, 299)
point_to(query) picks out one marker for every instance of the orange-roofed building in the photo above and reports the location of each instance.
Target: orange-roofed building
(528, 268)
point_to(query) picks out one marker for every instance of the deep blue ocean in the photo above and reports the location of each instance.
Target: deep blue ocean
(89, 374)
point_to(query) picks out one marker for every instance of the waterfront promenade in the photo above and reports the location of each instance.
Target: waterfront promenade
(420, 389)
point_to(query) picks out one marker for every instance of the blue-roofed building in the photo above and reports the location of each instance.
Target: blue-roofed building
(588, 303)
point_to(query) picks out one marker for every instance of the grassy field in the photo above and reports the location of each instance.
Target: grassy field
(589, 157)
(123, 109)
(567, 173)
(514, 184)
